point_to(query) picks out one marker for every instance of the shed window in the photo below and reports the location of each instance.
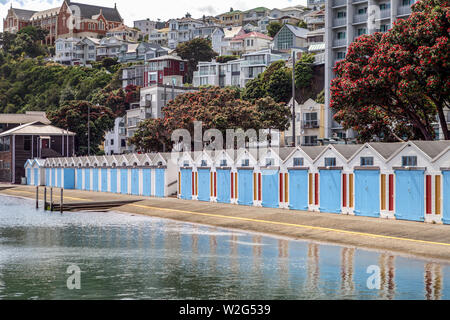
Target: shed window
(298, 162)
(330, 162)
(409, 161)
(204, 163)
(223, 163)
(366, 161)
(245, 162)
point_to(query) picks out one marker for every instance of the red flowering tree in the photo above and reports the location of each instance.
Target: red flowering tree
(73, 116)
(394, 84)
(217, 109)
(118, 100)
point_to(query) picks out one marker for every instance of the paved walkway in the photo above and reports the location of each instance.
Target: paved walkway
(415, 238)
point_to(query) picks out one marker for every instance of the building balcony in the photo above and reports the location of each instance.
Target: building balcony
(404, 10)
(339, 43)
(339, 3)
(359, 1)
(338, 22)
(253, 63)
(314, 124)
(384, 14)
(360, 18)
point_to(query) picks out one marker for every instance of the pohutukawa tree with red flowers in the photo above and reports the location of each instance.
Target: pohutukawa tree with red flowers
(393, 85)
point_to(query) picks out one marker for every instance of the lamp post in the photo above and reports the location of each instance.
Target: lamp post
(89, 130)
(293, 99)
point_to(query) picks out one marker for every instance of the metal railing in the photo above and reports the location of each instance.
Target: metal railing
(403, 10)
(339, 22)
(339, 42)
(360, 18)
(337, 3)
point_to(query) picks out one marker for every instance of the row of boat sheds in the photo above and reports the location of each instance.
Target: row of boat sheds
(405, 180)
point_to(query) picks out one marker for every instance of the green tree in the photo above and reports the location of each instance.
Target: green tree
(74, 117)
(273, 28)
(198, 49)
(275, 81)
(302, 24)
(304, 71)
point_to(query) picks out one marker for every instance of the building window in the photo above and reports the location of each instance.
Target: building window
(123, 143)
(362, 10)
(112, 142)
(204, 163)
(341, 35)
(340, 55)
(298, 162)
(245, 162)
(330, 162)
(181, 66)
(385, 6)
(361, 31)
(223, 163)
(406, 2)
(186, 164)
(270, 162)
(27, 143)
(409, 161)
(341, 14)
(366, 161)
(310, 140)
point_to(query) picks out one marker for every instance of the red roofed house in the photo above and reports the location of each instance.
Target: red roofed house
(249, 42)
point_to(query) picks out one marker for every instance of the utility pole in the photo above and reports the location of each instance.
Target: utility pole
(293, 99)
(89, 129)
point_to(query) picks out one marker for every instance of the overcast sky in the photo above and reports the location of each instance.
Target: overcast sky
(163, 9)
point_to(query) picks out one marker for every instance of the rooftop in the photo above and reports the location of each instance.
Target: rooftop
(36, 128)
(24, 118)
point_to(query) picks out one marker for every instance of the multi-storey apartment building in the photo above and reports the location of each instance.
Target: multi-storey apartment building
(146, 26)
(75, 51)
(316, 4)
(249, 42)
(109, 47)
(153, 99)
(309, 124)
(345, 21)
(254, 15)
(140, 52)
(315, 19)
(116, 140)
(236, 72)
(165, 70)
(222, 37)
(182, 30)
(232, 18)
(125, 33)
(159, 36)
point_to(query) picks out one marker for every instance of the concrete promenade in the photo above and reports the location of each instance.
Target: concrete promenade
(413, 238)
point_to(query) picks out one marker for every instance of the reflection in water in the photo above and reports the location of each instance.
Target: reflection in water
(387, 275)
(123, 256)
(433, 281)
(347, 261)
(283, 265)
(313, 271)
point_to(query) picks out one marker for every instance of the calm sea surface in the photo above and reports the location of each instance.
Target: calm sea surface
(122, 256)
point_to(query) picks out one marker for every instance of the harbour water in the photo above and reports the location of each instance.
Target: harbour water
(124, 256)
